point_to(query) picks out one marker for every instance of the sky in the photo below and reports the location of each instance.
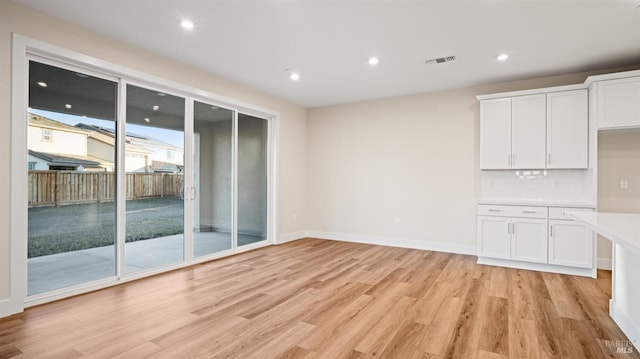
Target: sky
(175, 138)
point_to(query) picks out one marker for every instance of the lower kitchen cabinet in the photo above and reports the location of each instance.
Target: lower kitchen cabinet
(537, 235)
(570, 244)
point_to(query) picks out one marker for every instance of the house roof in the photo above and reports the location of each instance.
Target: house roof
(99, 134)
(134, 142)
(44, 122)
(67, 160)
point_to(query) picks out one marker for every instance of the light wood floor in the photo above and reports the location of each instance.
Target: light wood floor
(325, 299)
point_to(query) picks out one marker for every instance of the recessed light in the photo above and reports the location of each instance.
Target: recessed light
(146, 119)
(42, 84)
(81, 75)
(161, 94)
(214, 107)
(373, 61)
(156, 107)
(187, 24)
(294, 76)
(502, 57)
(68, 106)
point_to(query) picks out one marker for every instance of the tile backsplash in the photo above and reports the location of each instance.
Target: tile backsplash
(542, 185)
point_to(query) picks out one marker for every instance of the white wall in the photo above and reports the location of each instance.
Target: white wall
(62, 142)
(402, 170)
(40, 164)
(292, 164)
(618, 159)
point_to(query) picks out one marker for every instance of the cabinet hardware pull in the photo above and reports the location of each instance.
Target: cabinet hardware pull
(509, 228)
(531, 212)
(495, 210)
(549, 158)
(551, 230)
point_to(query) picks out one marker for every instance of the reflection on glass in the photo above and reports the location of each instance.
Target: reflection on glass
(154, 164)
(213, 144)
(71, 180)
(252, 179)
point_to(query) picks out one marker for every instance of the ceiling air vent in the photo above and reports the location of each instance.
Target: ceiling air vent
(440, 60)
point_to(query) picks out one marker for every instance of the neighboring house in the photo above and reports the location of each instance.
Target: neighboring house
(57, 146)
(101, 145)
(143, 153)
(50, 136)
(40, 161)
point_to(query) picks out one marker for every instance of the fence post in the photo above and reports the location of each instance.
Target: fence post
(58, 189)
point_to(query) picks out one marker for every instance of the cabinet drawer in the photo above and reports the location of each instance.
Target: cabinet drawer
(558, 212)
(512, 211)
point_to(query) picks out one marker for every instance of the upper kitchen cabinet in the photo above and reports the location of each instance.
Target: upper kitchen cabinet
(512, 133)
(618, 103)
(495, 134)
(535, 129)
(528, 131)
(567, 129)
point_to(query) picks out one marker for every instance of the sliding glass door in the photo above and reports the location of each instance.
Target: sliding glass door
(213, 144)
(154, 178)
(252, 179)
(71, 177)
(172, 180)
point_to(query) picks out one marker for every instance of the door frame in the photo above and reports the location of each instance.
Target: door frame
(22, 48)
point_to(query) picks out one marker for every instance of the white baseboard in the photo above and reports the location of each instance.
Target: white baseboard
(10, 307)
(396, 242)
(630, 329)
(288, 237)
(540, 267)
(605, 263)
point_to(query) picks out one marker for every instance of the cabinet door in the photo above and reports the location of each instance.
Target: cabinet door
(567, 129)
(618, 103)
(495, 134)
(528, 132)
(529, 241)
(570, 244)
(494, 237)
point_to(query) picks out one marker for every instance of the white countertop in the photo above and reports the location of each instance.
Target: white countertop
(536, 202)
(621, 228)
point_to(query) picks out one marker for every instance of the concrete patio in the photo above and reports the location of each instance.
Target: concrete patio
(62, 270)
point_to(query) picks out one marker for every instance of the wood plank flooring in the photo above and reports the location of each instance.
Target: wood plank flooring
(325, 299)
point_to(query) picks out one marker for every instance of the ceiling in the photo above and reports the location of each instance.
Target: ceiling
(328, 42)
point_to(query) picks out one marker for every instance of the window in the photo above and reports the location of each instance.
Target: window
(46, 135)
(32, 166)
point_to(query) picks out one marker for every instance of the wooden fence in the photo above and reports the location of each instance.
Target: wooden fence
(55, 188)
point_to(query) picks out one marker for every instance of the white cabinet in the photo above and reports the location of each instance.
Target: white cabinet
(512, 133)
(529, 240)
(495, 134)
(618, 103)
(570, 243)
(534, 234)
(544, 130)
(567, 129)
(494, 235)
(528, 131)
(513, 232)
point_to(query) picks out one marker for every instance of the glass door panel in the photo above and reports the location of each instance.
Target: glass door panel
(71, 179)
(213, 174)
(154, 165)
(252, 179)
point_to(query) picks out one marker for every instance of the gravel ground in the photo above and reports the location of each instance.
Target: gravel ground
(68, 228)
